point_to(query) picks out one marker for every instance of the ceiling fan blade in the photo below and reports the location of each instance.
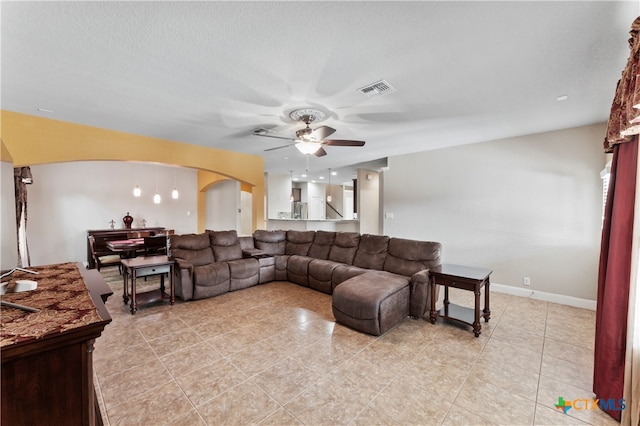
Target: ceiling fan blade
(320, 152)
(263, 133)
(278, 147)
(342, 142)
(276, 137)
(321, 133)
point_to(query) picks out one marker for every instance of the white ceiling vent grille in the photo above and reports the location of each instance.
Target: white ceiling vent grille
(378, 88)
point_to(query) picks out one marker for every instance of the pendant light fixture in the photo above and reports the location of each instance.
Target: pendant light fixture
(137, 192)
(157, 198)
(174, 194)
(291, 198)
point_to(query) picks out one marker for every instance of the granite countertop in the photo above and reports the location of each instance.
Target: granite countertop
(61, 296)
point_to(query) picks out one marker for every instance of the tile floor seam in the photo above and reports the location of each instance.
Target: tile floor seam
(138, 395)
(186, 396)
(377, 395)
(206, 401)
(563, 380)
(544, 340)
(476, 361)
(198, 408)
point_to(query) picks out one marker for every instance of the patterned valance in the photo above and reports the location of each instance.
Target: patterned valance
(624, 120)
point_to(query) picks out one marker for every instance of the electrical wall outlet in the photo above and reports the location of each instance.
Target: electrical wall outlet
(526, 281)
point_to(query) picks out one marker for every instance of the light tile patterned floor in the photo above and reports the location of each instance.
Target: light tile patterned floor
(273, 354)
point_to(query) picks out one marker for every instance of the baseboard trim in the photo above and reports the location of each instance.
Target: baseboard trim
(547, 297)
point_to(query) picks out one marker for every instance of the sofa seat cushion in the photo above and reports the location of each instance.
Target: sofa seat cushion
(343, 272)
(281, 267)
(298, 269)
(320, 273)
(372, 302)
(244, 273)
(211, 280)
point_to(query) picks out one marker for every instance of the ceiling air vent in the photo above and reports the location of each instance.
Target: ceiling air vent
(378, 88)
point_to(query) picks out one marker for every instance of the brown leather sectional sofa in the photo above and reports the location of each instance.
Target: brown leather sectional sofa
(375, 281)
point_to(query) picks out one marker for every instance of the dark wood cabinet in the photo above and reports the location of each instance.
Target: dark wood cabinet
(47, 367)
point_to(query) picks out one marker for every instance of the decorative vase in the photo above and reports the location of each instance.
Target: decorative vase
(128, 220)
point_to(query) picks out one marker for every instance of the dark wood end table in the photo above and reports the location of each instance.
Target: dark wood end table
(464, 278)
(144, 267)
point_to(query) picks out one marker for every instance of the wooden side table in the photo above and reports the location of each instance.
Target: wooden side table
(144, 267)
(464, 278)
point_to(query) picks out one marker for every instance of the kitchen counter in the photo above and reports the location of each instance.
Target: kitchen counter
(340, 225)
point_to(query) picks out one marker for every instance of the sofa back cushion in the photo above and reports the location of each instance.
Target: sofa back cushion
(270, 242)
(345, 247)
(225, 245)
(406, 257)
(372, 251)
(194, 248)
(322, 243)
(246, 242)
(299, 242)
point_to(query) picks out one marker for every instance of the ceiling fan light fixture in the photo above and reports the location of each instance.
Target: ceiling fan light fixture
(308, 148)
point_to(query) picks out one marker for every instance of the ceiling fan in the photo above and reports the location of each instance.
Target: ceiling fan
(309, 141)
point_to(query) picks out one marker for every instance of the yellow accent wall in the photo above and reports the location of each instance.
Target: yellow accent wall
(4, 153)
(32, 140)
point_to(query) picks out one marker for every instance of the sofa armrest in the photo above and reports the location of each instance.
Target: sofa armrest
(252, 252)
(420, 301)
(184, 279)
(183, 264)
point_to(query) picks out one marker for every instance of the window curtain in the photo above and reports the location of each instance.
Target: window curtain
(22, 177)
(614, 277)
(616, 367)
(631, 416)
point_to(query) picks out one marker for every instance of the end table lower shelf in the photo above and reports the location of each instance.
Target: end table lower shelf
(139, 267)
(464, 278)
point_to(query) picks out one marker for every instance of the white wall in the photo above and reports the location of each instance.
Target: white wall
(9, 254)
(67, 199)
(369, 202)
(223, 206)
(528, 206)
(246, 203)
(278, 189)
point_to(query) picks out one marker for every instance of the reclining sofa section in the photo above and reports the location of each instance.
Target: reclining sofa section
(375, 281)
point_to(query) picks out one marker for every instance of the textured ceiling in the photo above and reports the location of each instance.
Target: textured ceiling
(208, 73)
